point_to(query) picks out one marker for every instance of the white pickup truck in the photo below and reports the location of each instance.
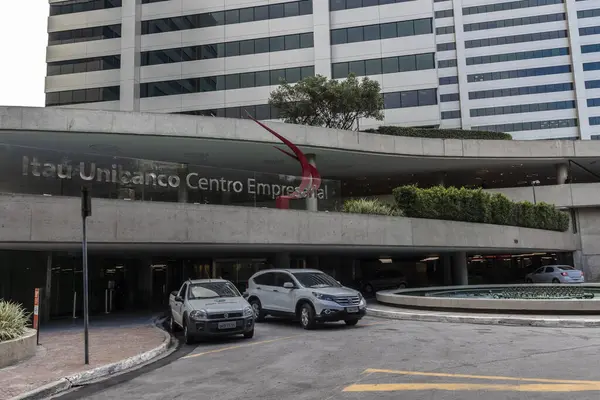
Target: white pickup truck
(210, 307)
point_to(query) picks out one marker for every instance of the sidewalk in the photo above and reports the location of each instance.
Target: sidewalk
(61, 352)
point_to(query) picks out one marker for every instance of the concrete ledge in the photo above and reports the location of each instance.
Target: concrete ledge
(104, 371)
(514, 320)
(414, 298)
(19, 349)
(54, 220)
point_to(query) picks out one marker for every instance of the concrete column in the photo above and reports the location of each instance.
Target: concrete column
(312, 201)
(322, 38)
(562, 173)
(460, 273)
(282, 260)
(182, 172)
(446, 262)
(46, 295)
(131, 39)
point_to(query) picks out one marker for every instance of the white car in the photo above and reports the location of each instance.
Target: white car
(210, 307)
(307, 294)
(555, 274)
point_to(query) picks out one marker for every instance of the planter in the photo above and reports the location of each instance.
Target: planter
(13, 351)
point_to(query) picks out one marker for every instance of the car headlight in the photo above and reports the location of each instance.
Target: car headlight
(322, 296)
(248, 312)
(198, 314)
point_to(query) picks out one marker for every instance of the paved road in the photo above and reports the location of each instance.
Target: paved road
(379, 359)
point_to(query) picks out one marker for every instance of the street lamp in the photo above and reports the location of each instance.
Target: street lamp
(533, 183)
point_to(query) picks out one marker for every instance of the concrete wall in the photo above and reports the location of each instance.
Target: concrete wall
(13, 351)
(73, 120)
(40, 219)
(575, 195)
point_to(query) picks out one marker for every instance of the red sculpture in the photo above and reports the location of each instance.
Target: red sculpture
(311, 179)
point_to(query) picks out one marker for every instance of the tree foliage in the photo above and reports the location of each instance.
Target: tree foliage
(318, 101)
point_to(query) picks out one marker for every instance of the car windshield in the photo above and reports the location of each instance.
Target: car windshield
(315, 280)
(209, 290)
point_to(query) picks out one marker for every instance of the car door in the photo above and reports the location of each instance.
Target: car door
(283, 298)
(265, 283)
(538, 275)
(177, 307)
(549, 274)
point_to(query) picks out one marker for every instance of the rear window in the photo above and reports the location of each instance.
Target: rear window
(565, 267)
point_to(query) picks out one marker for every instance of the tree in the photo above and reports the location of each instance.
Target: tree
(317, 101)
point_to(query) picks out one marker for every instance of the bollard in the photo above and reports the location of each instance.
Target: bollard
(74, 305)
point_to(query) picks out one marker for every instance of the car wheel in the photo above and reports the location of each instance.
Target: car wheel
(307, 316)
(402, 286)
(555, 280)
(249, 335)
(187, 337)
(259, 315)
(351, 322)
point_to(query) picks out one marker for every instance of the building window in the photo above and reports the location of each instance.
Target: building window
(521, 91)
(224, 82)
(75, 6)
(505, 23)
(592, 84)
(590, 30)
(84, 65)
(337, 5)
(588, 13)
(444, 13)
(388, 65)
(593, 102)
(381, 31)
(85, 35)
(590, 48)
(451, 114)
(448, 80)
(94, 95)
(519, 73)
(236, 16)
(446, 46)
(445, 98)
(528, 126)
(592, 66)
(503, 40)
(411, 98)
(594, 120)
(523, 55)
(447, 63)
(444, 30)
(511, 5)
(522, 108)
(152, 1)
(229, 49)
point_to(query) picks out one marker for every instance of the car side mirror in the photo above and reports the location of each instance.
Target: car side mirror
(174, 293)
(178, 299)
(289, 285)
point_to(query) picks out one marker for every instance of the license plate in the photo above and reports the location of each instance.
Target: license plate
(352, 309)
(227, 325)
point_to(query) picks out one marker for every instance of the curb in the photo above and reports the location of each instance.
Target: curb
(551, 322)
(103, 371)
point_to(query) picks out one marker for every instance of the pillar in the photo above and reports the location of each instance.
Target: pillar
(460, 273)
(131, 39)
(282, 260)
(322, 36)
(182, 172)
(446, 262)
(46, 294)
(311, 200)
(562, 173)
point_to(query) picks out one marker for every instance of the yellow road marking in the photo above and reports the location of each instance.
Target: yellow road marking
(390, 387)
(240, 346)
(485, 377)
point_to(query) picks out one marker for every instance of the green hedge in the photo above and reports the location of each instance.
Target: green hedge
(454, 204)
(13, 320)
(439, 133)
(368, 206)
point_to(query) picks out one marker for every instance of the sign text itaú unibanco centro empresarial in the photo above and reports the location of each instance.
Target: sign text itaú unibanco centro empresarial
(117, 174)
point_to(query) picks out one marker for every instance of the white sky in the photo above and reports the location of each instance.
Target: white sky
(23, 39)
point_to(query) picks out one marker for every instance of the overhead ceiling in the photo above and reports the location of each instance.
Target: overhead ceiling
(254, 156)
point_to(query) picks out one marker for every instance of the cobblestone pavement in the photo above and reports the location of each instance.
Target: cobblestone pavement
(61, 353)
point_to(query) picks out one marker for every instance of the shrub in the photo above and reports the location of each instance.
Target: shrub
(439, 133)
(13, 320)
(475, 205)
(368, 206)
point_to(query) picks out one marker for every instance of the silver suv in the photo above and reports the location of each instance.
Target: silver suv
(307, 294)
